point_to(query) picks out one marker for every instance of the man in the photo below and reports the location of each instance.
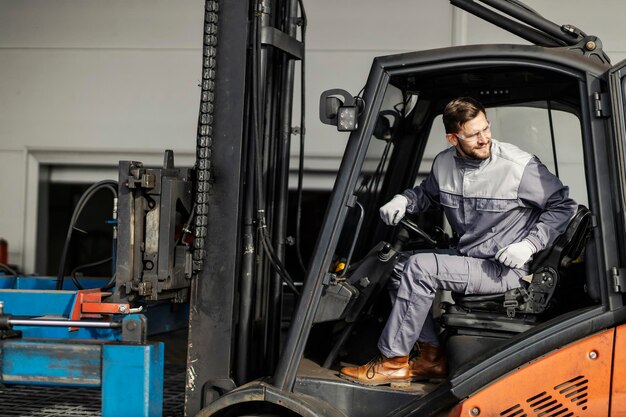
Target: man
(504, 205)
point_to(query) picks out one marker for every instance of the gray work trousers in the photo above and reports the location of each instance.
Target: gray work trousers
(413, 284)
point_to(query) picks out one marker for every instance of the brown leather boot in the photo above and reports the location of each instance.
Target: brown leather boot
(380, 371)
(430, 362)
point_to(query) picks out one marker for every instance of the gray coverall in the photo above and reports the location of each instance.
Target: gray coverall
(490, 204)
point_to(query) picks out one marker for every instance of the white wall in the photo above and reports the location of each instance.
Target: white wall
(86, 83)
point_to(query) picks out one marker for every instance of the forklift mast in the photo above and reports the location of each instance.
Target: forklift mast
(241, 188)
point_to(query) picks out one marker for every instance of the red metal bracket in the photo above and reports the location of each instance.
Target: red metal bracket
(88, 304)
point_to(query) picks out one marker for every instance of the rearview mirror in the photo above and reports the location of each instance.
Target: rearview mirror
(386, 124)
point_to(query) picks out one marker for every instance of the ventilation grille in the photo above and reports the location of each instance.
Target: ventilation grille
(575, 390)
(563, 401)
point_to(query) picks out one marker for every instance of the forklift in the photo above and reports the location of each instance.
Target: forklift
(550, 348)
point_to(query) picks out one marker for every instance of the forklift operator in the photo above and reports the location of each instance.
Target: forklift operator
(504, 205)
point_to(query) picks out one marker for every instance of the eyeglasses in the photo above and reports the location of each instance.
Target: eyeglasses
(474, 137)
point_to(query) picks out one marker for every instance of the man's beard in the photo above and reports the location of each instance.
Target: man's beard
(476, 154)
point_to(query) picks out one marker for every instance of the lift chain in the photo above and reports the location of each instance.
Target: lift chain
(205, 133)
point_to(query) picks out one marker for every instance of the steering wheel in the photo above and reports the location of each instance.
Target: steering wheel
(411, 226)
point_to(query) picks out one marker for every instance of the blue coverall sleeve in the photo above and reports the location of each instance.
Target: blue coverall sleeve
(423, 195)
(541, 189)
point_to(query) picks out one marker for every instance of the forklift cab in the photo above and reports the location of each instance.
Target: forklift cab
(552, 103)
(533, 103)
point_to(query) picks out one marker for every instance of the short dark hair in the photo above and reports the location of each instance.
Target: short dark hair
(460, 111)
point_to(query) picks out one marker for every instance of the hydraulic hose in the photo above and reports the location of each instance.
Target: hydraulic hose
(106, 184)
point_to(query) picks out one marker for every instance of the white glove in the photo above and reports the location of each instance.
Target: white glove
(394, 210)
(516, 254)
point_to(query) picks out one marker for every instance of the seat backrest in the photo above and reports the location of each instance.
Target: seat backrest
(568, 246)
(546, 266)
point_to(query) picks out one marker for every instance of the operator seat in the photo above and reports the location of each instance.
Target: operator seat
(476, 322)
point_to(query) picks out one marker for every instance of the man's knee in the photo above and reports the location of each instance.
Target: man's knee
(420, 274)
(423, 264)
